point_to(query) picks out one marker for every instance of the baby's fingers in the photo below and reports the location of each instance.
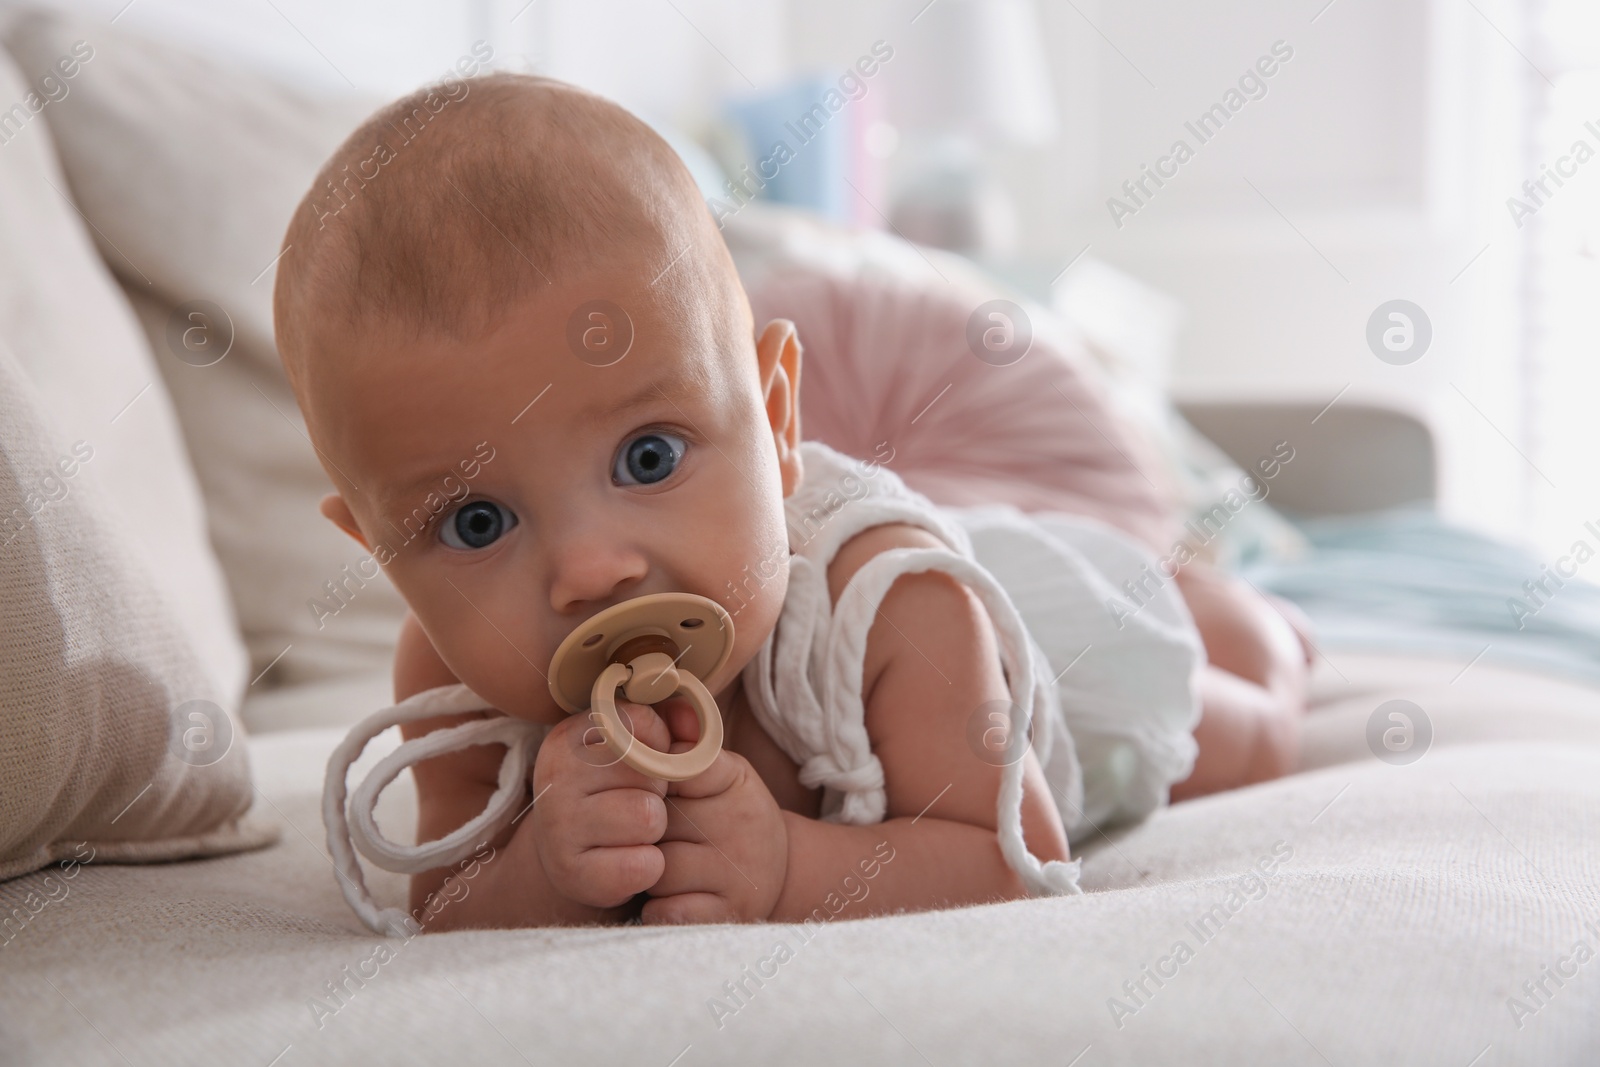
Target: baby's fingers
(642, 722)
(681, 720)
(725, 772)
(687, 908)
(609, 876)
(625, 816)
(583, 739)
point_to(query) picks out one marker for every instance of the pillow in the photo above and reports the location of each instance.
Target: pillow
(890, 356)
(1080, 422)
(189, 171)
(116, 742)
(70, 329)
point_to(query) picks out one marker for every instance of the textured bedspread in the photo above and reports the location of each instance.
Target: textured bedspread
(1362, 913)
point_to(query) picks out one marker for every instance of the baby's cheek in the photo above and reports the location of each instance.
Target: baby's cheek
(513, 684)
(755, 607)
(492, 658)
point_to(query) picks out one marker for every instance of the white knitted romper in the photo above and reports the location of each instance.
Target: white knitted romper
(1106, 700)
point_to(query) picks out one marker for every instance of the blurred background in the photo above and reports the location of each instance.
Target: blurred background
(1338, 155)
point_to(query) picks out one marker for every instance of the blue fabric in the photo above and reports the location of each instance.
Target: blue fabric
(802, 155)
(1407, 581)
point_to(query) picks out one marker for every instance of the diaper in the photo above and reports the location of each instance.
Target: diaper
(1122, 647)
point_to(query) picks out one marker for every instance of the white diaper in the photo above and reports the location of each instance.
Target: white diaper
(1126, 680)
(1108, 685)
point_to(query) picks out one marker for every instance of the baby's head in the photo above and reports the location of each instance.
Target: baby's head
(527, 364)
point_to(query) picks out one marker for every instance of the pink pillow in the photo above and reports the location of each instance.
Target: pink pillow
(886, 358)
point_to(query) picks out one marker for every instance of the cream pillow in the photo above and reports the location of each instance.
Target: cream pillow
(121, 668)
(189, 171)
(68, 326)
(116, 743)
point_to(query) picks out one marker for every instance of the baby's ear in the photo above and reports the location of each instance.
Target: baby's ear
(339, 513)
(778, 358)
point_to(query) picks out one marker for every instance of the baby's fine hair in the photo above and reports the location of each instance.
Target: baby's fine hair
(459, 199)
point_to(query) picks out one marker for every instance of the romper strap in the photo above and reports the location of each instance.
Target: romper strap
(521, 739)
(849, 750)
(784, 665)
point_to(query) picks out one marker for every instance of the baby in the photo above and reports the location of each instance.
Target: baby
(439, 323)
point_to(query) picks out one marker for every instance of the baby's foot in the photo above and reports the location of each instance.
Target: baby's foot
(1300, 622)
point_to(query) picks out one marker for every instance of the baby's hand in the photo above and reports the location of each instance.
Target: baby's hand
(726, 844)
(599, 819)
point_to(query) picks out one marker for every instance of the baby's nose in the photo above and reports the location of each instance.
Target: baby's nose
(592, 571)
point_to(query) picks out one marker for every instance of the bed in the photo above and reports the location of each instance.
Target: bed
(1429, 903)
(1413, 903)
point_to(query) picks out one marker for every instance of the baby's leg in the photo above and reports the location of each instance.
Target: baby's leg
(1252, 690)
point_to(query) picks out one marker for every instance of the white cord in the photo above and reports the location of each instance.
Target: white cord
(812, 668)
(360, 827)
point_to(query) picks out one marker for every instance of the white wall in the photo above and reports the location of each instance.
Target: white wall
(1385, 146)
(1388, 142)
(663, 58)
(380, 49)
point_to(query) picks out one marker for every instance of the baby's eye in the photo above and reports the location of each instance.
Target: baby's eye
(648, 458)
(476, 525)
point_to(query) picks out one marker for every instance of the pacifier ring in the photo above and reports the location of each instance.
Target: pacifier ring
(669, 766)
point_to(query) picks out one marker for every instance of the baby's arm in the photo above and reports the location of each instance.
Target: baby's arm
(931, 662)
(512, 887)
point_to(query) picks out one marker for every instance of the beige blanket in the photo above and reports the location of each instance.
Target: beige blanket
(1394, 915)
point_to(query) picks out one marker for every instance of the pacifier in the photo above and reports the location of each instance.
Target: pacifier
(652, 648)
